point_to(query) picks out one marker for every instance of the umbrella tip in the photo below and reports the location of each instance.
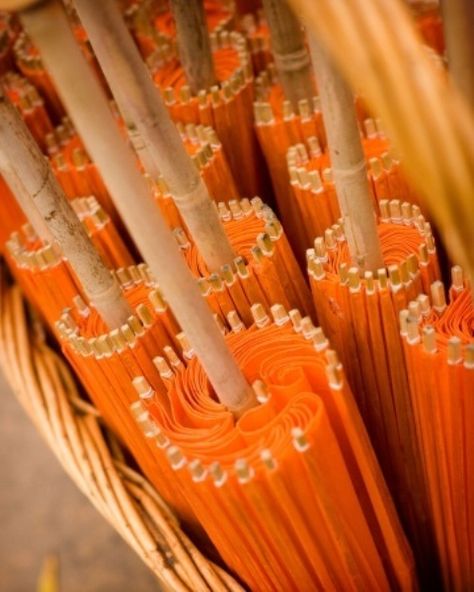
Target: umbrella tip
(300, 441)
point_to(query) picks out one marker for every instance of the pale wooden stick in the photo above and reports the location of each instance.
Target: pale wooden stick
(193, 44)
(458, 22)
(28, 206)
(49, 29)
(138, 97)
(141, 147)
(347, 161)
(290, 52)
(21, 158)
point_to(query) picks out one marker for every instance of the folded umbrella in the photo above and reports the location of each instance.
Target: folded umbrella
(438, 341)
(282, 492)
(152, 23)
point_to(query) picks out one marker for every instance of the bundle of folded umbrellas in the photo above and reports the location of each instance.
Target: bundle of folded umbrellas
(237, 265)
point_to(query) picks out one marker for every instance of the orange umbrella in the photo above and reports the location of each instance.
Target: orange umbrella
(360, 316)
(265, 269)
(227, 107)
(290, 138)
(104, 235)
(152, 23)
(11, 215)
(106, 362)
(282, 492)
(438, 340)
(312, 187)
(207, 151)
(46, 277)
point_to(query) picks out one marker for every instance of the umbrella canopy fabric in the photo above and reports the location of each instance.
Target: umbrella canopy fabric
(46, 277)
(227, 107)
(360, 316)
(292, 140)
(438, 341)
(283, 491)
(313, 192)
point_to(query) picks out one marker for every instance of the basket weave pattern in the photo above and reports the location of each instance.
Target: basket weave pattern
(93, 457)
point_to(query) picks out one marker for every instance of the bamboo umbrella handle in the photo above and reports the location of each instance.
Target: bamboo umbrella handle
(92, 118)
(28, 207)
(347, 161)
(193, 44)
(137, 95)
(21, 161)
(458, 22)
(290, 52)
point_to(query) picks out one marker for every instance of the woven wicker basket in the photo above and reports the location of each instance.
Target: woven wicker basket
(91, 454)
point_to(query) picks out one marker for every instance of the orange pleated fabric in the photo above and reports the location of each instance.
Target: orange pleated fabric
(360, 317)
(45, 276)
(11, 215)
(207, 152)
(312, 189)
(292, 141)
(439, 355)
(107, 362)
(264, 270)
(291, 494)
(29, 63)
(227, 107)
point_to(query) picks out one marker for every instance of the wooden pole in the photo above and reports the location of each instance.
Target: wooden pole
(139, 99)
(289, 49)
(21, 159)
(28, 206)
(458, 24)
(193, 44)
(49, 29)
(347, 161)
(87, 105)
